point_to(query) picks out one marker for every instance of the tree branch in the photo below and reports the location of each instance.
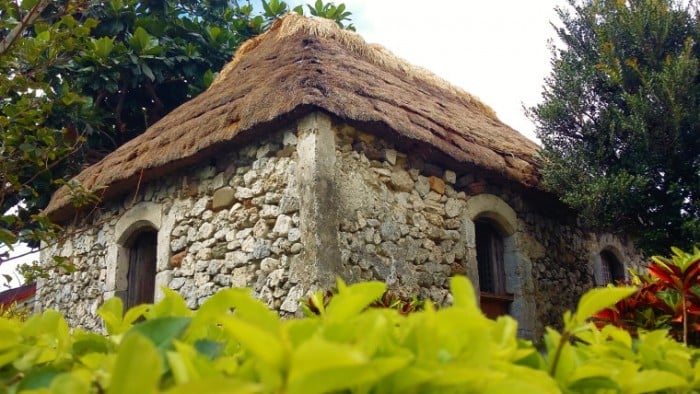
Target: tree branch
(121, 125)
(19, 28)
(158, 106)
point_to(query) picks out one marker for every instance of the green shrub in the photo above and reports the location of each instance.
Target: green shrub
(234, 344)
(317, 302)
(13, 311)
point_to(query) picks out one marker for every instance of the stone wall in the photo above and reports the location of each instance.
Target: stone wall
(288, 213)
(397, 225)
(232, 222)
(410, 223)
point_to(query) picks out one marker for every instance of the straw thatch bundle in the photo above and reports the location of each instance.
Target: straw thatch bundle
(303, 65)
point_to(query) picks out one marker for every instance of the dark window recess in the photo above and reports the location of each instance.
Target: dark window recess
(142, 268)
(492, 278)
(489, 256)
(612, 270)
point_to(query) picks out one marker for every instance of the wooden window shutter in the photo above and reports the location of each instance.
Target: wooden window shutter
(611, 269)
(142, 268)
(490, 253)
(489, 256)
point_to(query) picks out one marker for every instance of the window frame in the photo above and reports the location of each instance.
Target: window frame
(515, 297)
(140, 217)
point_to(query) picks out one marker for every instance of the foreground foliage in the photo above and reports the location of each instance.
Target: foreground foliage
(235, 344)
(668, 298)
(618, 119)
(13, 311)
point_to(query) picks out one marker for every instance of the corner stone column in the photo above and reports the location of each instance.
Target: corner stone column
(320, 263)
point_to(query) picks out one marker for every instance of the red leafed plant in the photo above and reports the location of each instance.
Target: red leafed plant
(668, 297)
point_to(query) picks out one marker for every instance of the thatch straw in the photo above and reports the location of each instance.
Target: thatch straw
(303, 65)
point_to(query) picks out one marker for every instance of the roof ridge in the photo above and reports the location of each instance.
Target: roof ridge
(376, 54)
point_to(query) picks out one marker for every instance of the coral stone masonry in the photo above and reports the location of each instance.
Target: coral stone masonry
(341, 161)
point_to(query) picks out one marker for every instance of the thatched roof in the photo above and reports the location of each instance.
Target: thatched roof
(303, 65)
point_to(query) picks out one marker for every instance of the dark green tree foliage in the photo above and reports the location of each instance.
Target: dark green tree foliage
(620, 118)
(147, 57)
(37, 107)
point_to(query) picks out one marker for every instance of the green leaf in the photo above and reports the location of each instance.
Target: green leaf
(70, 383)
(262, 344)
(595, 384)
(217, 385)
(463, 292)
(26, 5)
(649, 381)
(519, 379)
(27, 147)
(209, 349)
(161, 331)
(246, 308)
(137, 368)
(103, 46)
(140, 40)
(89, 342)
(8, 238)
(111, 313)
(351, 300)
(266, 7)
(134, 314)
(69, 98)
(187, 364)
(598, 299)
(172, 304)
(309, 374)
(39, 378)
(43, 37)
(208, 78)
(147, 71)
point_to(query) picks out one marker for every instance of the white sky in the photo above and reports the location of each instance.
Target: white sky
(496, 50)
(9, 268)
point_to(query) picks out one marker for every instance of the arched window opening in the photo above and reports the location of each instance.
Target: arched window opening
(490, 254)
(612, 270)
(141, 272)
(489, 257)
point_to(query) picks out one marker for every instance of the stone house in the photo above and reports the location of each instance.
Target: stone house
(316, 155)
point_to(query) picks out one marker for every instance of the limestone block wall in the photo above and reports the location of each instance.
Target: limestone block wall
(234, 221)
(397, 225)
(288, 213)
(410, 223)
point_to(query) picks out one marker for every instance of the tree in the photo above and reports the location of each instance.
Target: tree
(79, 78)
(37, 107)
(620, 119)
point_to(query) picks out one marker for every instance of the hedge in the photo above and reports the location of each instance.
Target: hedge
(234, 344)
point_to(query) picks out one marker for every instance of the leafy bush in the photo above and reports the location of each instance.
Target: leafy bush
(668, 298)
(233, 343)
(13, 311)
(317, 302)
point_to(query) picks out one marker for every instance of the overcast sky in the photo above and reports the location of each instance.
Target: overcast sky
(496, 50)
